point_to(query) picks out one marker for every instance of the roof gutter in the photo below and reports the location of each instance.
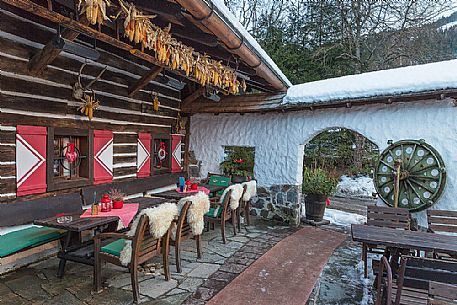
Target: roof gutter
(203, 13)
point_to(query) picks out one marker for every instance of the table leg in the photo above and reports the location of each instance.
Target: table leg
(65, 244)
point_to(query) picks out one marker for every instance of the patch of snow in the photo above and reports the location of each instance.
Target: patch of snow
(247, 37)
(367, 283)
(419, 78)
(355, 186)
(447, 26)
(343, 219)
(6, 230)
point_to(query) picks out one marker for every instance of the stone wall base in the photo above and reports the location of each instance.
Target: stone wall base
(278, 202)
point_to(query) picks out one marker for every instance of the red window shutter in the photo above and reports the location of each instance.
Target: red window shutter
(143, 157)
(176, 160)
(30, 160)
(103, 156)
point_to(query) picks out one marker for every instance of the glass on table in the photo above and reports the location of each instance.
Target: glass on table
(62, 218)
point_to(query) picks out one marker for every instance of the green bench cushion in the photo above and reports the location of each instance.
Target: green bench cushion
(31, 237)
(114, 248)
(214, 212)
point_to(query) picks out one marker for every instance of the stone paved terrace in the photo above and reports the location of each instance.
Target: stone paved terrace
(199, 281)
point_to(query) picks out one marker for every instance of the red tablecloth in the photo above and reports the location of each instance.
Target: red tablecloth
(126, 214)
(200, 189)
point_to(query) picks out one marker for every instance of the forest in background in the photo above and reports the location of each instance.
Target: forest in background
(318, 39)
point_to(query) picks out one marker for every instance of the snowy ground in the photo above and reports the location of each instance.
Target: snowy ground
(342, 281)
(343, 219)
(355, 187)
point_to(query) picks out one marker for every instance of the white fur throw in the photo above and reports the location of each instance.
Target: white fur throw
(160, 219)
(251, 190)
(237, 192)
(196, 212)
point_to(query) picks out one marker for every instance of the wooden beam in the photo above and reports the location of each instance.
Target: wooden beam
(49, 52)
(144, 80)
(193, 97)
(54, 17)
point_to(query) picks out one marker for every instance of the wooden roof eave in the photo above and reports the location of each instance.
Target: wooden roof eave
(200, 12)
(262, 103)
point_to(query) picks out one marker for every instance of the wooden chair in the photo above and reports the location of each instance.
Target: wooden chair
(384, 284)
(414, 277)
(183, 232)
(442, 294)
(397, 218)
(442, 221)
(144, 247)
(246, 207)
(221, 213)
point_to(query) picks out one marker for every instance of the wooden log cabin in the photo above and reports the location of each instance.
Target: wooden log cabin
(138, 136)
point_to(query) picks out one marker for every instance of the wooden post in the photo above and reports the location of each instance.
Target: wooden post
(397, 164)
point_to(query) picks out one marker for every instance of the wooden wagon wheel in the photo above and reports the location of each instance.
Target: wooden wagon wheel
(422, 175)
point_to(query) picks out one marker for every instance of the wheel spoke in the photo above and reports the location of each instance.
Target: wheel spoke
(422, 158)
(417, 194)
(388, 165)
(412, 155)
(422, 185)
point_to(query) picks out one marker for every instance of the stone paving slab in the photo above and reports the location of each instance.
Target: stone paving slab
(200, 280)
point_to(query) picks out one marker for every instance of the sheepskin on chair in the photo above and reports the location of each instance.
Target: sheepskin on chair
(237, 192)
(196, 212)
(160, 219)
(251, 190)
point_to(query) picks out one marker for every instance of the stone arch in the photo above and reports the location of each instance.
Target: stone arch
(361, 131)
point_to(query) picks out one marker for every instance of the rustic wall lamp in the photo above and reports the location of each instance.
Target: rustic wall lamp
(75, 48)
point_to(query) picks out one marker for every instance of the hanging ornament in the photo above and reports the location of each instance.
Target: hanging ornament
(156, 102)
(161, 154)
(71, 154)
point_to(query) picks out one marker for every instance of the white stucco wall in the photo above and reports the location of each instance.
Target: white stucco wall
(278, 138)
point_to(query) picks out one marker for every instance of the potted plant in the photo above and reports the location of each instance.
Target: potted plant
(317, 185)
(239, 163)
(117, 197)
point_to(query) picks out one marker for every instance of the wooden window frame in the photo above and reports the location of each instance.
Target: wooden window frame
(52, 184)
(155, 171)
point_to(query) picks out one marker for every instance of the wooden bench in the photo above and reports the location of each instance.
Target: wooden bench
(18, 246)
(413, 279)
(442, 294)
(396, 218)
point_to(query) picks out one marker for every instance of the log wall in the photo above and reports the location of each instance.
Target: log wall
(47, 100)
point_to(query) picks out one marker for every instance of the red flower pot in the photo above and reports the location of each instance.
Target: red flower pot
(118, 204)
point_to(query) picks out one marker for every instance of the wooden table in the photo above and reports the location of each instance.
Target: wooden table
(403, 239)
(173, 194)
(73, 247)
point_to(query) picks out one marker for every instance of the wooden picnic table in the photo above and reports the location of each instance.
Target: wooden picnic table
(73, 247)
(405, 239)
(173, 194)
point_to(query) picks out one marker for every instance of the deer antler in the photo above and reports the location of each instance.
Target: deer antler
(96, 79)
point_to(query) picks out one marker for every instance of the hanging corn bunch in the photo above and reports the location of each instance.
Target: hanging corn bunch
(89, 105)
(95, 10)
(172, 53)
(155, 102)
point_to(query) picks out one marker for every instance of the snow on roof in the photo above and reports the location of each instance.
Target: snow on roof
(412, 79)
(248, 39)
